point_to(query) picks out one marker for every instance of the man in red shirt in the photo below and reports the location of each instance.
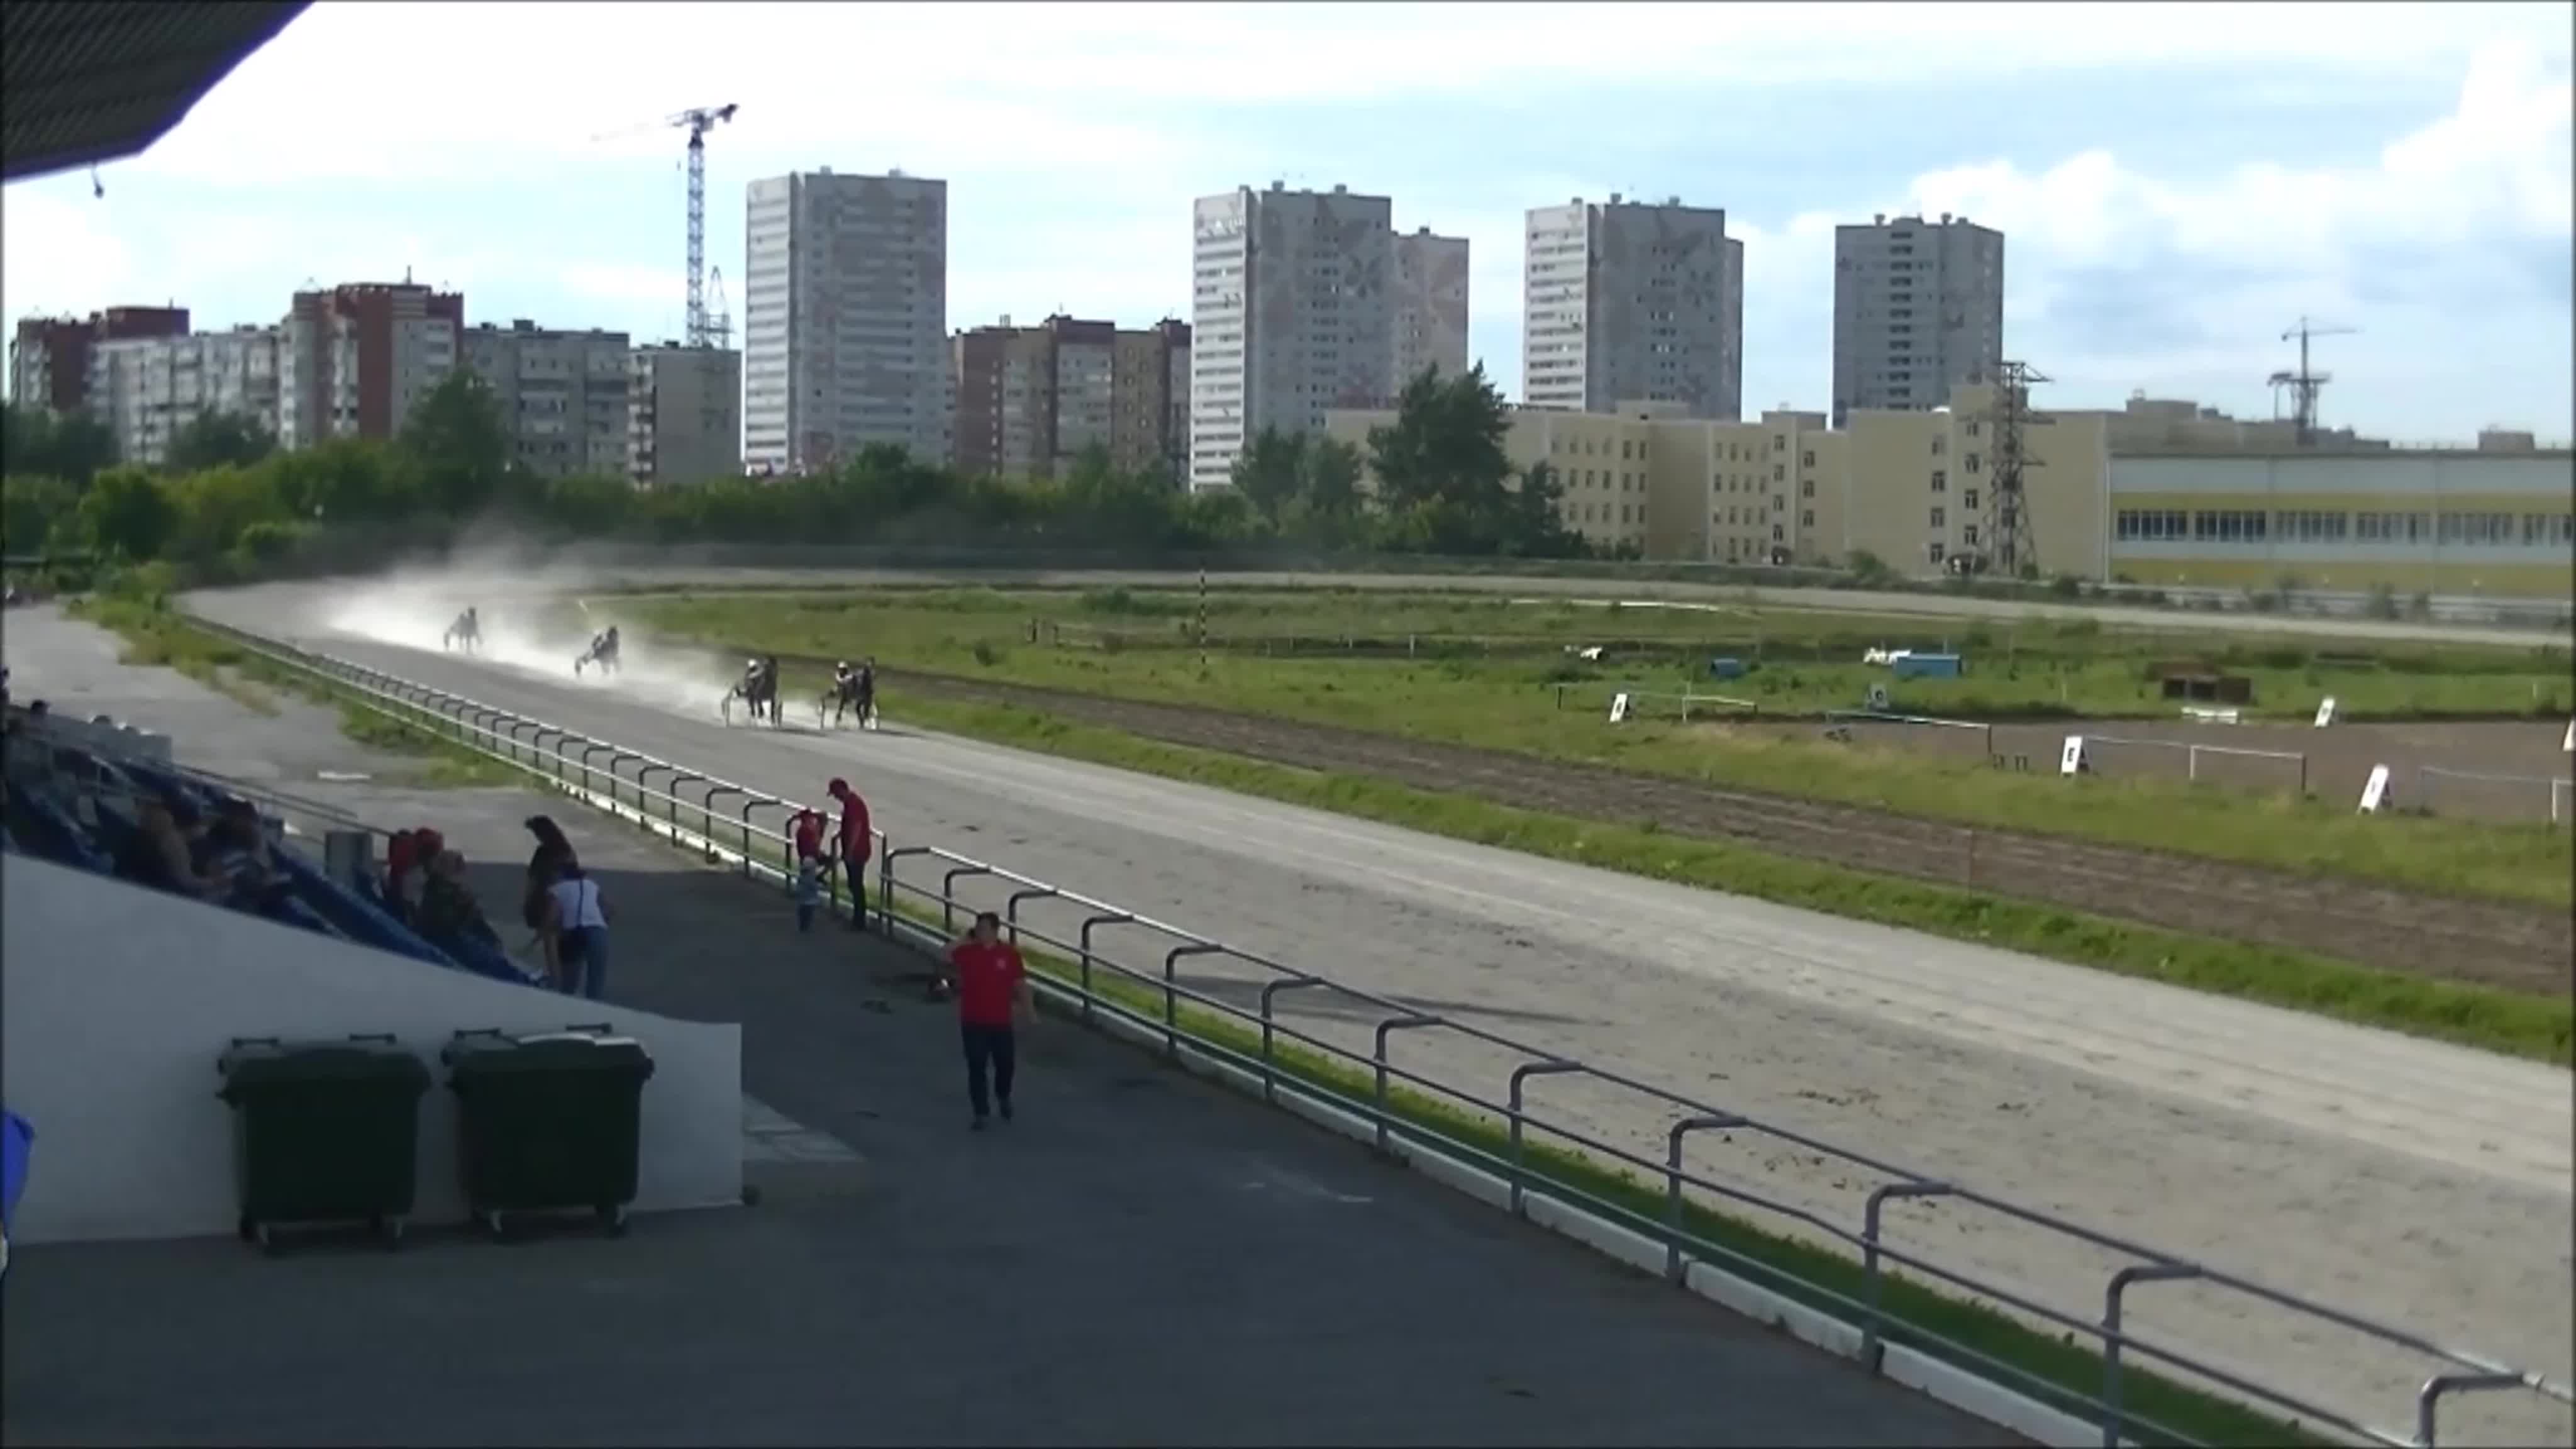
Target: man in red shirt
(992, 993)
(855, 845)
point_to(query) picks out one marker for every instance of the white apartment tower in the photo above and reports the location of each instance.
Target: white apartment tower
(845, 319)
(1918, 311)
(1291, 313)
(1627, 301)
(146, 389)
(1430, 305)
(561, 394)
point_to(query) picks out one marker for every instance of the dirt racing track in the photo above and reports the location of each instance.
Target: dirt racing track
(2408, 1180)
(2493, 942)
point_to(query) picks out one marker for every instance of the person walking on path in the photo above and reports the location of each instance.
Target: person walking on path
(856, 843)
(992, 996)
(575, 931)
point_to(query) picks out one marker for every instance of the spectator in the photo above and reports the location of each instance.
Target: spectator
(575, 931)
(992, 992)
(857, 842)
(805, 836)
(158, 854)
(402, 857)
(450, 917)
(545, 866)
(238, 858)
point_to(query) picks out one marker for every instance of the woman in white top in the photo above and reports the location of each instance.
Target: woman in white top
(575, 931)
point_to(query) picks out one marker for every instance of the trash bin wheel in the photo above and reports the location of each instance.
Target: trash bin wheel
(388, 1230)
(612, 1221)
(247, 1230)
(267, 1240)
(490, 1222)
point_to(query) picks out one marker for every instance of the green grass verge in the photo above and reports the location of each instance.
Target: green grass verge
(1506, 697)
(2540, 1028)
(156, 634)
(1804, 1273)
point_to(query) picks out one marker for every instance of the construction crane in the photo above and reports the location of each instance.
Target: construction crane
(697, 123)
(2305, 383)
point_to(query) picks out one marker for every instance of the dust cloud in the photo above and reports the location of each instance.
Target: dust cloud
(535, 618)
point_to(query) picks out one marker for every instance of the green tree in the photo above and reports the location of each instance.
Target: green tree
(1271, 474)
(32, 509)
(73, 447)
(458, 443)
(218, 440)
(127, 513)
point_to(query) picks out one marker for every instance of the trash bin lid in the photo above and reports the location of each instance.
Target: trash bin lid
(549, 1051)
(260, 1063)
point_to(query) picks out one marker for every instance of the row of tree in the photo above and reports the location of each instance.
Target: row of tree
(228, 499)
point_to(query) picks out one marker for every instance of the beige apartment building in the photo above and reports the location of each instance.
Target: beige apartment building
(683, 415)
(1912, 488)
(2157, 493)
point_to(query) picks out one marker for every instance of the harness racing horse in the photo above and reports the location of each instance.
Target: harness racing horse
(465, 633)
(844, 697)
(602, 652)
(759, 689)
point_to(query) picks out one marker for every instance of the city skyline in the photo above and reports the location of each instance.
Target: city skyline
(2173, 199)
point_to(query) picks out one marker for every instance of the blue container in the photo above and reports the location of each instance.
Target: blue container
(1723, 668)
(1928, 666)
(17, 1143)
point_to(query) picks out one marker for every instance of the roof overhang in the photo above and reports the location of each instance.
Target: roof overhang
(88, 81)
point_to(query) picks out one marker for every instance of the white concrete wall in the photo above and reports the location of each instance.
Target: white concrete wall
(118, 1000)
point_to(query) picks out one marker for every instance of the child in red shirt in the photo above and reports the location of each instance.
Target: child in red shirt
(992, 992)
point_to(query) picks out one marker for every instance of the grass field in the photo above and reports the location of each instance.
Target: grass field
(1489, 672)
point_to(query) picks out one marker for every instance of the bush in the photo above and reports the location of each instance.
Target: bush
(986, 654)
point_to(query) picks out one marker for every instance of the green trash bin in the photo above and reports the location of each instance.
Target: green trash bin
(549, 1122)
(323, 1132)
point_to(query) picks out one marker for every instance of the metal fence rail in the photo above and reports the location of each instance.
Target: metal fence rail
(720, 817)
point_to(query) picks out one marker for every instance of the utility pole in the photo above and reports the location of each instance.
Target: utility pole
(2015, 543)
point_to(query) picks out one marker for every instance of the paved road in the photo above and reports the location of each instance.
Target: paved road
(1944, 606)
(1139, 1259)
(2406, 1179)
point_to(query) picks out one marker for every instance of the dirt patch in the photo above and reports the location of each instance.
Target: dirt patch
(2503, 770)
(2496, 943)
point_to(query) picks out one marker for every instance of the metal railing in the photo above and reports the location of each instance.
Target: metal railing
(721, 821)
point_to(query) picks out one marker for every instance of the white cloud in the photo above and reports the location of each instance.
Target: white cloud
(60, 255)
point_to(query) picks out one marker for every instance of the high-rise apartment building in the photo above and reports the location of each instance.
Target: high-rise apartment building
(562, 395)
(49, 357)
(1631, 301)
(357, 359)
(1031, 399)
(845, 319)
(1291, 313)
(1918, 311)
(684, 415)
(146, 389)
(1430, 305)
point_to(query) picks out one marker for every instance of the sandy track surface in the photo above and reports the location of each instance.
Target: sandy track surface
(2421, 1183)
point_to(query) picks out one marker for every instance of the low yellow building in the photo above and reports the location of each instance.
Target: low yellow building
(2160, 492)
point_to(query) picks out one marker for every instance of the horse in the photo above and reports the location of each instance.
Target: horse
(602, 652)
(465, 633)
(843, 697)
(760, 691)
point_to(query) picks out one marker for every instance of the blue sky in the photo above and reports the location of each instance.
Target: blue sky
(2178, 183)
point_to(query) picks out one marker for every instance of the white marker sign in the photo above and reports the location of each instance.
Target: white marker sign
(2070, 761)
(2325, 712)
(2570, 744)
(1618, 707)
(2374, 795)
